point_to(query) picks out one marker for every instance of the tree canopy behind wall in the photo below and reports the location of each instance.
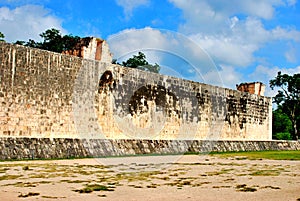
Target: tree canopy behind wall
(139, 61)
(53, 41)
(288, 99)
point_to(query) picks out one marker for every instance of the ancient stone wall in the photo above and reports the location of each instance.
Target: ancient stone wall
(252, 88)
(91, 48)
(37, 148)
(50, 95)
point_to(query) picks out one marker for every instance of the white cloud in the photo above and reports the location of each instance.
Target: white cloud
(226, 50)
(168, 49)
(232, 40)
(132, 40)
(236, 46)
(130, 5)
(22, 2)
(291, 2)
(291, 54)
(264, 74)
(287, 34)
(214, 15)
(26, 22)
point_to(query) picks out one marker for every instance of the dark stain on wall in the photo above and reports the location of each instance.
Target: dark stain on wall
(164, 100)
(38, 86)
(107, 82)
(245, 110)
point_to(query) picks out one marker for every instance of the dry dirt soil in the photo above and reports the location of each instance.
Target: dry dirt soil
(189, 177)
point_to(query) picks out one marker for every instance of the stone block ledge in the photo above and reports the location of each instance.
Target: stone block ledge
(53, 148)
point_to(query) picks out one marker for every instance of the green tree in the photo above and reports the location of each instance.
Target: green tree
(30, 43)
(281, 125)
(2, 36)
(288, 98)
(53, 41)
(139, 61)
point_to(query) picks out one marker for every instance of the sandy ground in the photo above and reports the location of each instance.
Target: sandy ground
(189, 177)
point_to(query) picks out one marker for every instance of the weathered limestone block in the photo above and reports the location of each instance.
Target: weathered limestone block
(49, 95)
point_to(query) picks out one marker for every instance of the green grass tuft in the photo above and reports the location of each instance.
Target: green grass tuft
(95, 187)
(256, 155)
(28, 195)
(244, 188)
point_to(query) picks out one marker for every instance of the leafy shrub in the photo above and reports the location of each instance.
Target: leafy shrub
(283, 136)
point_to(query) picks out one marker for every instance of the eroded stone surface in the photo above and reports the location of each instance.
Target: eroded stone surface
(50, 95)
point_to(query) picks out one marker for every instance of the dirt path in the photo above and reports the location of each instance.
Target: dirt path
(188, 177)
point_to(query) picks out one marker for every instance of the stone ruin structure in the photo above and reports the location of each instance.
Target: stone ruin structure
(257, 88)
(45, 94)
(91, 48)
(60, 105)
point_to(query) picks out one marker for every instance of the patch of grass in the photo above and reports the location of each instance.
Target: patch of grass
(193, 164)
(84, 190)
(43, 182)
(180, 182)
(135, 186)
(256, 155)
(27, 184)
(271, 187)
(51, 197)
(221, 186)
(229, 179)
(231, 164)
(137, 176)
(50, 175)
(152, 186)
(164, 178)
(222, 171)
(200, 184)
(9, 177)
(95, 187)
(212, 173)
(247, 189)
(265, 173)
(74, 181)
(3, 170)
(244, 188)
(241, 186)
(28, 195)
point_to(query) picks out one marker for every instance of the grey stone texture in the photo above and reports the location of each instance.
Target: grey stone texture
(37, 148)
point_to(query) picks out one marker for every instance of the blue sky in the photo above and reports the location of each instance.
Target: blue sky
(248, 40)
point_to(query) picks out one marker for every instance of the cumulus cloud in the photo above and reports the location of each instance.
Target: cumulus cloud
(22, 2)
(265, 73)
(130, 5)
(291, 2)
(229, 39)
(171, 50)
(213, 15)
(292, 54)
(26, 22)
